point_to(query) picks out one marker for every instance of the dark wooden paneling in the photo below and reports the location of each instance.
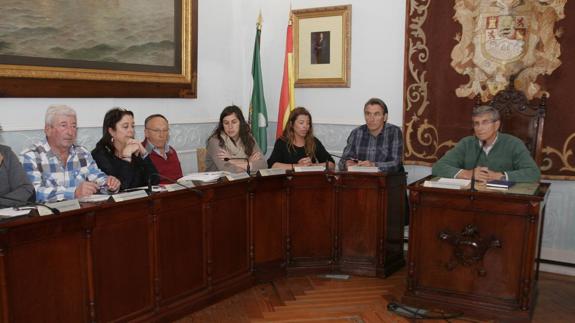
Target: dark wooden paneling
(47, 280)
(269, 226)
(182, 247)
(359, 213)
(229, 243)
(499, 283)
(311, 220)
(123, 270)
(157, 258)
(370, 214)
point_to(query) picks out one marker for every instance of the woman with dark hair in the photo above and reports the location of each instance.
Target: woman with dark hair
(120, 155)
(231, 144)
(298, 146)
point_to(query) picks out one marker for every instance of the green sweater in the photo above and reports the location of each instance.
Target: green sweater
(508, 155)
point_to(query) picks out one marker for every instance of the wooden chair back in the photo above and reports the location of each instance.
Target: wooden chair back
(201, 157)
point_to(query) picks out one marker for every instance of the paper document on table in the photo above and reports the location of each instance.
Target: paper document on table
(10, 212)
(309, 168)
(180, 185)
(235, 176)
(454, 181)
(203, 177)
(449, 183)
(272, 171)
(363, 169)
(129, 196)
(94, 198)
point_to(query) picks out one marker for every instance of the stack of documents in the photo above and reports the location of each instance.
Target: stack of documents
(12, 212)
(309, 168)
(125, 196)
(499, 185)
(449, 183)
(272, 171)
(235, 176)
(181, 185)
(206, 177)
(94, 198)
(363, 169)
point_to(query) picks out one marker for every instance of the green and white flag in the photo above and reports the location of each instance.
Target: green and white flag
(258, 114)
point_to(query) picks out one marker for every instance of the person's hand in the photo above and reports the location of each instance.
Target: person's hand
(481, 174)
(85, 189)
(133, 147)
(306, 161)
(350, 162)
(366, 163)
(493, 176)
(113, 184)
(255, 156)
(223, 154)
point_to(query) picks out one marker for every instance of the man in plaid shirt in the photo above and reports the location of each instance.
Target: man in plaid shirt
(376, 143)
(57, 167)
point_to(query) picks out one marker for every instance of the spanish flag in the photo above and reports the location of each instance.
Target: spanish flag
(287, 98)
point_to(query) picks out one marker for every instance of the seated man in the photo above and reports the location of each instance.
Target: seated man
(60, 169)
(376, 143)
(501, 156)
(163, 156)
(15, 188)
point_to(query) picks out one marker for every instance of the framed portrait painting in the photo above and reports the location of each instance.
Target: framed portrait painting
(322, 46)
(110, 48)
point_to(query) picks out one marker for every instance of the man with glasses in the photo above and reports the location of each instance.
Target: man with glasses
(495, 155)
(59, 168)
(376, 143)
(163, 156)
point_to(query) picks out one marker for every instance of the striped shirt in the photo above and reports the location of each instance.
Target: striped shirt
(385, 149)
(53, 181)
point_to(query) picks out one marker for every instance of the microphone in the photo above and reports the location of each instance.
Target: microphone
(240, 158)
(29, 203)
(481, 144)
(171, 180)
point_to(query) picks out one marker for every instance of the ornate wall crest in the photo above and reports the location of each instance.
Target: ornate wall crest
(501, 38)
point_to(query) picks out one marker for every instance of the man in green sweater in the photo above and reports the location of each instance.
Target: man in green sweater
(502, 156)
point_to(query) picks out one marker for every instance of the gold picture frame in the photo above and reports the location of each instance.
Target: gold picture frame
(322, 46)
(24, 76)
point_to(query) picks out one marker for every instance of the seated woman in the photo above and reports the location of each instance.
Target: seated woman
(231, 144)
(120, 155)
(15, 187)
(298, 146)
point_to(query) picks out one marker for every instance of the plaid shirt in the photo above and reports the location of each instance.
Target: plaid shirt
(54, 182)
(385, 149)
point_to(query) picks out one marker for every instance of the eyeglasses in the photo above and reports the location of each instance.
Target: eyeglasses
(477, 124)
(159, 131)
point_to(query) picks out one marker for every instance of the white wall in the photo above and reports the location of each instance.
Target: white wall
(376, 59)
(225, 46)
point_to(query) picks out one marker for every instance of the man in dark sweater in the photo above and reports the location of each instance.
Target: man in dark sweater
(501, 156)
(163, 156)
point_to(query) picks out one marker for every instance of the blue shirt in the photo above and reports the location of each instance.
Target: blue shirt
(385, 149)
(53, 181)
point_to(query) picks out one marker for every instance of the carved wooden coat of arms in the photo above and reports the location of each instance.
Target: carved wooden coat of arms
(500, 38)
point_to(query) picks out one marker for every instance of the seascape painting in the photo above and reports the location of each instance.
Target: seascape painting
(132, 35)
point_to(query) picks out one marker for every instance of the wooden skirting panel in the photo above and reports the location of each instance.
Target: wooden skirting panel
(160, 257)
